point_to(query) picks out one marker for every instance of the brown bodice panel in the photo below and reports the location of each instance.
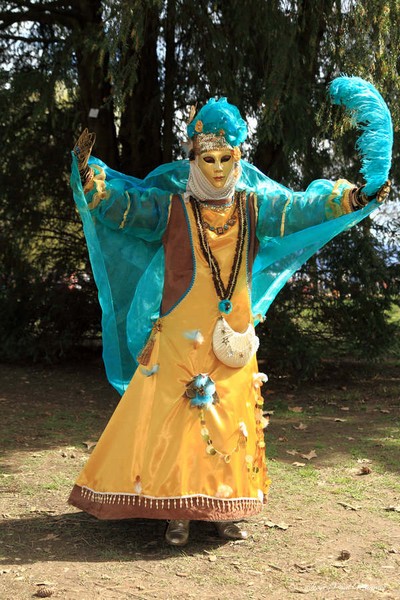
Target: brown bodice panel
(178, 256)
(179, 267)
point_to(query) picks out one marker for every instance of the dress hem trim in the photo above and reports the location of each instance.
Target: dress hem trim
(105, 505)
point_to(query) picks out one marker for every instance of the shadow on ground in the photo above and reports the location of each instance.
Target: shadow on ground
(79, 537)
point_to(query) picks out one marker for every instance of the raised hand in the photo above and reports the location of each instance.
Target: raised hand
(82, 150)
(384, 192)
(359, 198)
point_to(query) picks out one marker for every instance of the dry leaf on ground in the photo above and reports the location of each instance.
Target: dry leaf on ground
(364, 471)
(299, 464)
(280, 525)
(292, 452)
(89, 444)
(300, 427)
(269, 524)
(46, 538)
(295, 409)
(310, 455)
(349, 506)
(304, 568)
(253, 572)
(339, 565)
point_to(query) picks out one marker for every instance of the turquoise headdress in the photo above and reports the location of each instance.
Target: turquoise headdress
(221, 120)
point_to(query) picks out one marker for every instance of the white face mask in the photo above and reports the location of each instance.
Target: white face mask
(201, 188)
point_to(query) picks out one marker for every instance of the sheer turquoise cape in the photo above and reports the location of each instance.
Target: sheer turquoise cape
(128, 264)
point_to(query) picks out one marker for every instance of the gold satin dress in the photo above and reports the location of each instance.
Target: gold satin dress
(153, 459)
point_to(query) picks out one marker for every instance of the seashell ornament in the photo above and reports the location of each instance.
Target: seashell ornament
(234, 348)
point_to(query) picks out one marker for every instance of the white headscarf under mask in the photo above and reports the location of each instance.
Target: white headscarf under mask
(202, 189)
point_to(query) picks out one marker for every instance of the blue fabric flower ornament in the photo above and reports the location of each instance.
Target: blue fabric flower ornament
(201, 391)
(221, 118)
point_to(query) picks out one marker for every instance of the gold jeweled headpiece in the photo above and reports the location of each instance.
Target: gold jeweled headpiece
(205, 142)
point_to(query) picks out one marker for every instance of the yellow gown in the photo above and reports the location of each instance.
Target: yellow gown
(154, 459)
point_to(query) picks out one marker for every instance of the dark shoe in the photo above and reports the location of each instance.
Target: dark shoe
(228, 530)
(177, 533)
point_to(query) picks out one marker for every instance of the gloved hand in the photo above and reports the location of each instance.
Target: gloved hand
(359, 199)
(82, 149)
(384, 192)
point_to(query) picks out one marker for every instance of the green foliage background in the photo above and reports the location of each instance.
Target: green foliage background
(141, 63)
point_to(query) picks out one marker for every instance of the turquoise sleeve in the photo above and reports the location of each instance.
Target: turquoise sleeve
(283, 212)
(119, 206)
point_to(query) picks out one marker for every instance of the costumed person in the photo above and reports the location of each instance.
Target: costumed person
(187, 262)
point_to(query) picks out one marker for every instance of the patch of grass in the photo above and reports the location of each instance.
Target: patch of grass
(271, 446)
(57, 482)
(320, 536)
(393, 516)
(76, 424)
(319, 445)
(308, 472)
(280, 407)
(329, 572)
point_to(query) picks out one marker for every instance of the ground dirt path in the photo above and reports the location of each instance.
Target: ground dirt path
(331, 528)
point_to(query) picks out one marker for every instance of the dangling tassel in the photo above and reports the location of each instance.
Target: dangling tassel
(145, 355)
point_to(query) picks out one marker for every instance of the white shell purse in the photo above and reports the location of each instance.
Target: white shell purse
(233, 348)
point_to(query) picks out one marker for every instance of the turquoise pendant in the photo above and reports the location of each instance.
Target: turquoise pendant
(225, 306)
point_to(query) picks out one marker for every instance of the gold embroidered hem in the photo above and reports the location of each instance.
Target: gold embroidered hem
(131, 506)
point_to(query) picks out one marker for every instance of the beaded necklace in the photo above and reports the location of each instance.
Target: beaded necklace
(224, 228)
(224, 293)
(216, 207)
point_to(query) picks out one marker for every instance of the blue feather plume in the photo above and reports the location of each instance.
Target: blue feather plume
(371, 115)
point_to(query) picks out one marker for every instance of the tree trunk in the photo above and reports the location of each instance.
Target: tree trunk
(140, 134)
(310, 25)
(170, 72)
(94, 83)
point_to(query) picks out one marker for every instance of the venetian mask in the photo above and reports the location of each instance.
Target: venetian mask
(216, 166)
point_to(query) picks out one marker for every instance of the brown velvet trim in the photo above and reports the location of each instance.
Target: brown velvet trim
(125, 506)
(178, 257)
(253, 241)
